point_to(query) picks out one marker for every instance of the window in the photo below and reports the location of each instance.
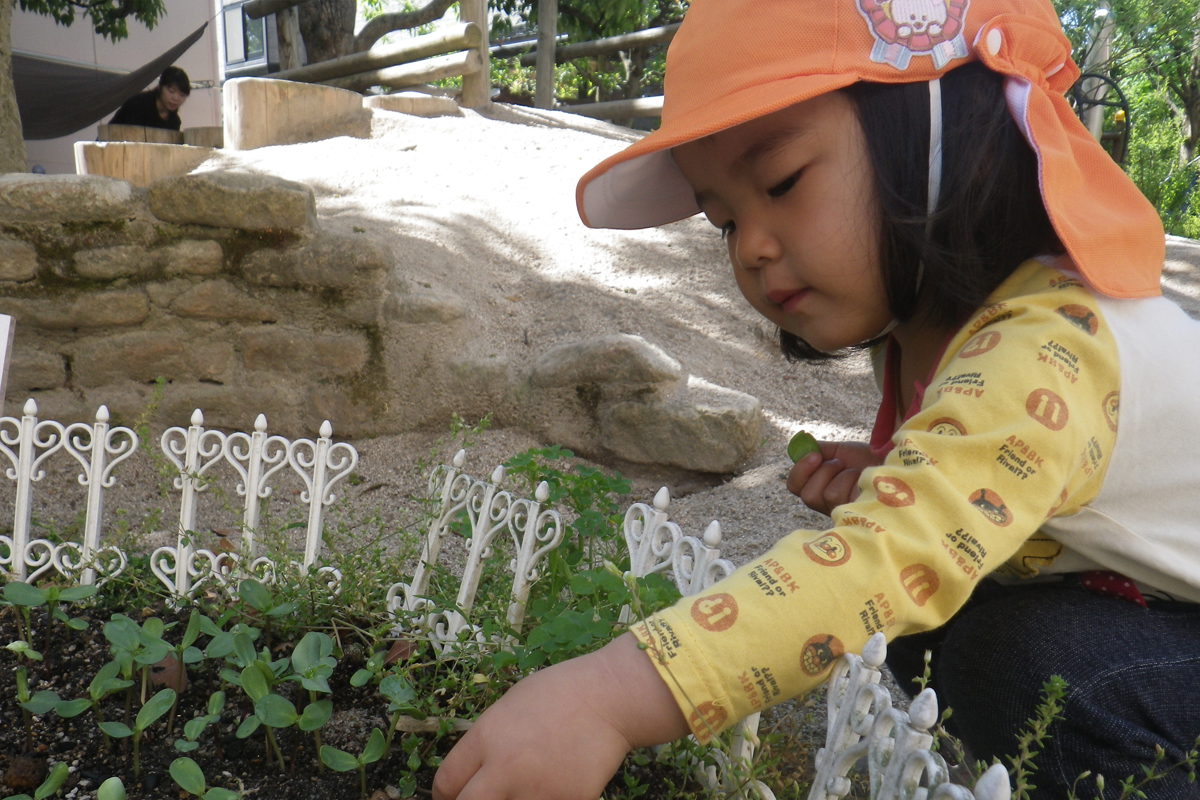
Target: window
(248, 42)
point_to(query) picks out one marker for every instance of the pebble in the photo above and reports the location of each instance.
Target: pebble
(25, 772)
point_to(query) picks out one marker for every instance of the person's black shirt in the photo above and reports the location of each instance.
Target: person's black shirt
(142, 109)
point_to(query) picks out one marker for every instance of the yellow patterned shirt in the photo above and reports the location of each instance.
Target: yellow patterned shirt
(1016, 427)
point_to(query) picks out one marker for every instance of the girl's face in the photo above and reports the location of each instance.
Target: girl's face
(172, 98)
(793, 195)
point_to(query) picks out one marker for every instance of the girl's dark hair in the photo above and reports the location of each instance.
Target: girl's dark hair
(989, 216)
(177, 78)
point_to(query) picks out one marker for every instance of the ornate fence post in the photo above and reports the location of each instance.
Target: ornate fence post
(896, 744)
(650, 538)
(193, 452)
(255, 451)
(329, 463)
(488, 509)
(451, 495)
(26, 468)
(102, 442)
(536, 527)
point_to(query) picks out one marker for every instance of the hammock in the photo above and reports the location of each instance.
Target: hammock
(57, 99)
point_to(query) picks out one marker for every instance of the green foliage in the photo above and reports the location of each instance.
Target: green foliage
(341, 761)
(108, 17)
(50, 786)
(626, 74)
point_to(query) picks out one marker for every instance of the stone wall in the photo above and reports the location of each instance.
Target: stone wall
(222, 285)
(219, 290)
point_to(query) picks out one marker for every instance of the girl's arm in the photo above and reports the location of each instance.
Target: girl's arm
(563, 731)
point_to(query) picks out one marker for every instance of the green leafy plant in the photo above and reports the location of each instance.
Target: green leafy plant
(194, 727)
(341, 761)
(151, 712)
(112, 789)
(188, 775)
(312, 665)
(50, 786)
(105, 683)
(28, 597)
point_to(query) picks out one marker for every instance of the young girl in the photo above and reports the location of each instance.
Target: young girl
(907, 175)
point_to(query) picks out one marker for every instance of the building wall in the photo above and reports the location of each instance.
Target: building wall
(39, 35)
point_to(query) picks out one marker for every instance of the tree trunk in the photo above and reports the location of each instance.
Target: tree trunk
(12, 145)
(327, 27)
(291, 43)
(377, 27)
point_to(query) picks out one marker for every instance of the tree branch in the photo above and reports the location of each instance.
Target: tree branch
(384, 24)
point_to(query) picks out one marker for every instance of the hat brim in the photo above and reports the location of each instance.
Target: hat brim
(641, 186)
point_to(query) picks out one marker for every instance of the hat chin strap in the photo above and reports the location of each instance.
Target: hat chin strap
(935, 179)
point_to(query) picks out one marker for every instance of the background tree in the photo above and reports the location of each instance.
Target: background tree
(1156, 61)
(108, 17)
(624, 75)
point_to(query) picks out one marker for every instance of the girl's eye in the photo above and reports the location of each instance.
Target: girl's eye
(727, 229)
(785, 185)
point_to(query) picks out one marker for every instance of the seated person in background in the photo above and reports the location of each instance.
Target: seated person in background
(158, 107)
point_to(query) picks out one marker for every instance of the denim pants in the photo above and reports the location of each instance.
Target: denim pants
(1133, 678)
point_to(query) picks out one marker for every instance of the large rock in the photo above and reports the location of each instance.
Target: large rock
(329, 261)
(145, 355)
(18, 261)
(64, 198)
(704, 428)
(110, 263)
(85, 310)
(191, 257)
(239, 200)
(221, 300)
(293, 350)
(32, 370)
(621, 397)
(620, 358)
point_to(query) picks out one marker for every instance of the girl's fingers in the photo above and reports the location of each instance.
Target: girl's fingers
(456, 771)
(813, 491)
(843, 488)
(802, 471)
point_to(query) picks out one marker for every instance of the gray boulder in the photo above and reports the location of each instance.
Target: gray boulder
(239, 200)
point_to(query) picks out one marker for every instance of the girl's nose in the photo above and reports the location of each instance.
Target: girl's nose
(755, 247)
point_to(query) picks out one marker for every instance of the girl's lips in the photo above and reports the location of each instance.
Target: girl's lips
(788, 299)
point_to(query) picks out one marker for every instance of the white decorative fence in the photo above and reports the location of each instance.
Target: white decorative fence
(195, 452)
(862, 722)
(490, 511)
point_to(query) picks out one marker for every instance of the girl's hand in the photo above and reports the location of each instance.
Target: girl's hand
(562, 732)
(829, 479)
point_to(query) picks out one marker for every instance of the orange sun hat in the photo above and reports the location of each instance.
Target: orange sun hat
(736, 60)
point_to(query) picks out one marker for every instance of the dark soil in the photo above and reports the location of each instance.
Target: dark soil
(72, 659)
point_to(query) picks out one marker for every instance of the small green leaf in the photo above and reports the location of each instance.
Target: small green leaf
(121, 632)
(72, 708)
(208, 627)
(396, 689)
(193, 630)
(360, 678)
(41, 702)
(53, 782)
(188, 775)
(338, 760)
(276, 711)
(316, 714)
(374, 748)
(216, 702)
(117, 730)
(76, 624)
(243, 645)
(194, 727)
(193, 655)
(111, 789)
(282, 610)
(155, 707)
(152, 630)
(220, 793)
(253, 683)
(74, 594)
(185, 746)
(249, 725)
(255, 595)
(22, 594)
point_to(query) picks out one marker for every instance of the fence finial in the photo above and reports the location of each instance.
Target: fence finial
(197, 418)
(102, 414)
(662, 499)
